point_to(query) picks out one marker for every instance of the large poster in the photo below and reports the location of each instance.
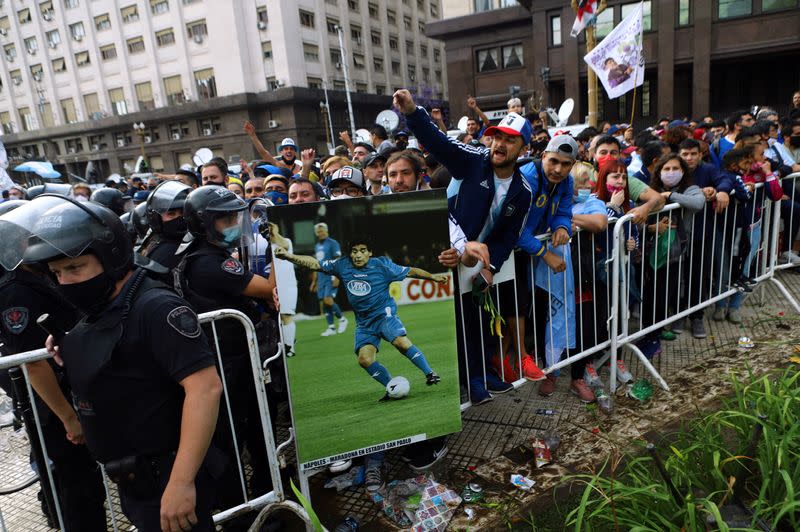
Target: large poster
(617, 60)
(375, 367)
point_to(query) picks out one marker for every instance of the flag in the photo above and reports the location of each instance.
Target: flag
(618, 60)
(587, 9)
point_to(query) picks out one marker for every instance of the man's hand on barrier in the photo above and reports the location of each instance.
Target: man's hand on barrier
(404, 102)
(74, 430)
(475, 252)
(722, 201)
(440, 278)
(483, 280)
(53, 350)
(281, 252)
(639, 214)
(661, 226)
(177, 507)
(630, 245)
(560, 237)
(449, 258)
(709, 193)
(554, 262)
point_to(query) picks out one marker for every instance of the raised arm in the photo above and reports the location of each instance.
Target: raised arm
(419, 273)
(344, 136)
(436, 115)
(265, 155)
(472, 103)
(304, 261)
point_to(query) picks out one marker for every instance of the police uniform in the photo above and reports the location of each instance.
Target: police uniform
(24, 297)
(162, 249)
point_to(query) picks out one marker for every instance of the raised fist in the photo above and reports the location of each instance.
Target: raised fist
(436, 114)
(308, 155)
(404, 102)
(472, 103)
(249, 128)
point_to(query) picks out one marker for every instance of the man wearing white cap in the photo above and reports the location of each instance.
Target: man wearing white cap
(288, 156)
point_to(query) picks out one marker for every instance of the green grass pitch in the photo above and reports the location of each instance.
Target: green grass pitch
(335, 403)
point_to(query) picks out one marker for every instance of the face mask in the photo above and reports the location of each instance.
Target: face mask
(340, 196)
(89, 296)
(611, 188)
(670, 178)
(583, 195)
(231, 235)
(174, 228)
(794, 140)
(277, 198)
(81, 198)
(605, 159)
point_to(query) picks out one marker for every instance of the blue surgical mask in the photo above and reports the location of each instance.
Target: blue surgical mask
(277, 198)
(231, 235)
(583, 195)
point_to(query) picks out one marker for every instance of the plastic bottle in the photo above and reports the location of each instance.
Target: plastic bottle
(350, 524)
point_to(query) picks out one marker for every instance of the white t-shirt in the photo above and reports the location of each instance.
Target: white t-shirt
(501, 187)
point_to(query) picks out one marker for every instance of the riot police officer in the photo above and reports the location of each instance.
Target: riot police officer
(112, 199)
(143, 378)
(164, 210)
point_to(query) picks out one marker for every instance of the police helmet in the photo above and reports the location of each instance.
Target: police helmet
(52, 226)
(207, 203)
(112, 199)
(10, 205)
(167, 196)
(62, 189)
(139, 220)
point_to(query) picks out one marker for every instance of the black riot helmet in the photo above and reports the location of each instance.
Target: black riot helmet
(208, 203)
(168, 196)
(112, 199)
(51, 226)
(127, 221)
(139, 220)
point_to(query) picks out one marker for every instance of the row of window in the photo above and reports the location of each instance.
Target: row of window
(374, 10)
(363, 88)
(499, 57)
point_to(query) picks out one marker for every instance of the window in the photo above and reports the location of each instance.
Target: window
(358, 61)
(412, 72)
(59, 65)
(374, 11)
(437, 55)
(24, 16)
(394, 44)
(129, 14)
(684, 13)
(261, 15)
(311, 52)
(338, 85)
(421, 5)
(426, 74)
(165, 37)
(773, 5)
(5, 120)
(16, 76)
(362, 88)
(31, 45)
(77, 31)
(488, 59)
(70, 4)
(434, 10)
(306, 19)
(82, 58)
(421, 26)
(336, 57)
(272, 83)
(10, 51)
(410, 47)
(314, 83)
(135, 45)
(26, 118)
(355, 33)
(647, 15)
(144, 96)
(377, 64)
(48, 120)
(437, 74)
(407, 23)
(73, 145)
(37, 72)
(117, 97)
(174, 89)
(53, 38)
(197, 29)
(391, 17)
(512, 56)
(396, 68)
(156, 163)
(375, 37)
(332, 23)
(108, 52)
(352, 5)
(735, 8)
(46, 9)
(380, 90)
(68, 110)
(206, 84)
(266, 49)
(423, 51)
(605, 23)
(5, 24)
(178, 130)
(555, 30)
(92, 105)
(159, 6)
(102, 22)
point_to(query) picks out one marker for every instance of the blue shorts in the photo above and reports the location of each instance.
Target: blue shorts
(325, 287)
(386, 327)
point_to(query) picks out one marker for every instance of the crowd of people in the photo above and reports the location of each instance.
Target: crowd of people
(127, 268)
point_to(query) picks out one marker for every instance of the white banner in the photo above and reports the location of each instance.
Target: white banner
(410, 291)
(617, 60)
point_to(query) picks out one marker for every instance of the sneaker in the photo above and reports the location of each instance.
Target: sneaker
(495, 385)
(478, 393)
(508, 373)
(678, 326)
(548, 386)
(530, 370)
(342, 325)
(591, 377)
(719, 314)
(330, 331)
(789, 256)
(623, 374)
(373, 479)
(427, 457)
(699, 328)
(432, 378)
(339, 466)
(735, 315)
(579, 388)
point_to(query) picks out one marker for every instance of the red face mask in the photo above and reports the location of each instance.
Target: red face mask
(613, 189)
(605, 159)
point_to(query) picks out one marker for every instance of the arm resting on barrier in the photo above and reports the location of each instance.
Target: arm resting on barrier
(594, 223)
(199, 418)
(44, 381)
(653, 201)
(304, 261)
(418, 273)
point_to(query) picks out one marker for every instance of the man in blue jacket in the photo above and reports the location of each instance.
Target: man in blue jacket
(491, 205)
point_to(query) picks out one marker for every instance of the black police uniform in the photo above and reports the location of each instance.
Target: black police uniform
(161, 249)
(125, 367)
(24, 297)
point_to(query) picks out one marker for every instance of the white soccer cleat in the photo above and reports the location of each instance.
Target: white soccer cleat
(342, 325)
(330, 331)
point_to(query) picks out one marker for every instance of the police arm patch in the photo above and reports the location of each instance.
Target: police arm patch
(184, 320)
(232, 266)
(15, 319)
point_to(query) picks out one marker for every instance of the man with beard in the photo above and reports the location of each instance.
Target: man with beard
(288, 156)
(490, 200)
(404, 171)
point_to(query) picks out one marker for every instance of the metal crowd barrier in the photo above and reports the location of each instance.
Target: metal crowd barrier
(265, 502)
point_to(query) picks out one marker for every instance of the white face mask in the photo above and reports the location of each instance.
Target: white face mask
(81, 198)
(670, 178)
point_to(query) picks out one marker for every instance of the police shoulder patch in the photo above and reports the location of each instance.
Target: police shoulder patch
(15, 319)
(184, 320)
(232, 266)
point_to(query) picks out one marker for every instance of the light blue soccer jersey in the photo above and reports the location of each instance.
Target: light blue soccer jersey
(327, 249)
(368, 287)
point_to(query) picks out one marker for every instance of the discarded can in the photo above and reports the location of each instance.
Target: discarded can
(545, 412)
(641, 390)
(472, 492)
(350, 524)
(746, 343)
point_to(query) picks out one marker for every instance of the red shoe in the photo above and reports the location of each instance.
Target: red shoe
(548, 385)
(530, 370)
(579, 388)
(508, 373)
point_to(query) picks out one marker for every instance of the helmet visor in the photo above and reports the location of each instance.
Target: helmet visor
(167, 196)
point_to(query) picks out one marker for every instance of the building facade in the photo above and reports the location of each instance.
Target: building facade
(77, 74)
(702, 56)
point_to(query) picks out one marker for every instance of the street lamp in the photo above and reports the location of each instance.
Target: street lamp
(139, 129)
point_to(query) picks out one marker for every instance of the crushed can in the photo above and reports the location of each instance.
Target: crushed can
(746, 343)
(472, 492)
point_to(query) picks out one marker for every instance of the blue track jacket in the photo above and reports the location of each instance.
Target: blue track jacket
(552, 208)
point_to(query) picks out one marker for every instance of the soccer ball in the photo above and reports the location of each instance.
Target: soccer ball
(398, 387)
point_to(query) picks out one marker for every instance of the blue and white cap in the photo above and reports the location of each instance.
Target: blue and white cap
(287, 143)
(512, 124)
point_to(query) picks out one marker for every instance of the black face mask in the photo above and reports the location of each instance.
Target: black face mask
(538, 146)
(794, 140)
(89, 296)
(174, 228)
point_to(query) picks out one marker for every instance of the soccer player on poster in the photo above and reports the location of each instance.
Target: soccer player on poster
(366, 281)
(326, 286)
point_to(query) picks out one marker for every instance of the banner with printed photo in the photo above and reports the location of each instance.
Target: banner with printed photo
(385, 313)
(618, 60)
